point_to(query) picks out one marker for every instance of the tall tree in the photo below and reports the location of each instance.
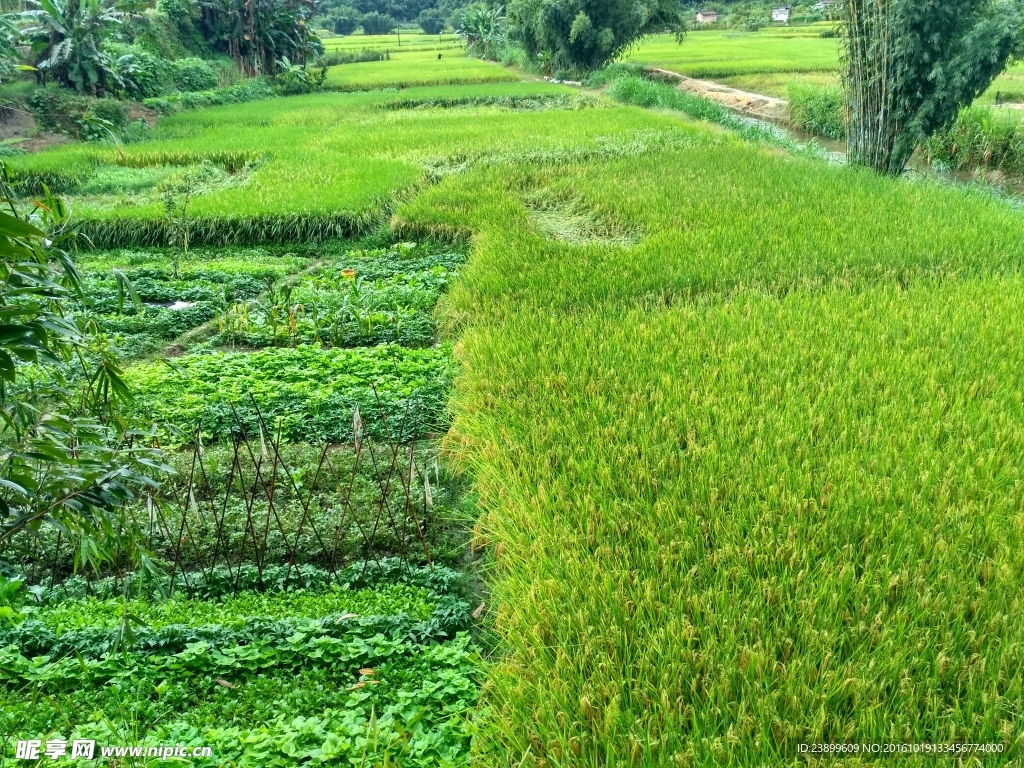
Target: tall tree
(910, 65)
(585, 34)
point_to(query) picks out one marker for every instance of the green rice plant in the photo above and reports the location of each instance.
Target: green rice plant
(143, 232)
(754, 473)
(714, 54)
(416, 70)
(817, 111)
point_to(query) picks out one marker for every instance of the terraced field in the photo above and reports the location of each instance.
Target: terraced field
(520, 427)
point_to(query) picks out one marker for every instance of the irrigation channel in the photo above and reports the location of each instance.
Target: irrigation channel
(770, 111)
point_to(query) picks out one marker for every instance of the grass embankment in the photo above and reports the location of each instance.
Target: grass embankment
(753, 481)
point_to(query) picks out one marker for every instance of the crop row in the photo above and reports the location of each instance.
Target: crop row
(354, 652)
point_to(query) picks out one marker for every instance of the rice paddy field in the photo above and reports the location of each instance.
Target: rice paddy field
(446, 66)
(715, 54)
(394, 43)
(772, 59)
(599, 436)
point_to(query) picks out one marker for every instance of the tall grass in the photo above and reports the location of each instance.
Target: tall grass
(981, 138)
(817, 110)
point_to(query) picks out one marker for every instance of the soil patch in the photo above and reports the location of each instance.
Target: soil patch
(751, 104)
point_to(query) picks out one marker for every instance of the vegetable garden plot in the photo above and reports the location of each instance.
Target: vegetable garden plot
(360, 299)
(375, 668)
(146, 299)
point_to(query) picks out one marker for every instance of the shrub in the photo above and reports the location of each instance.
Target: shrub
(818, 111)
(295, 79)
(142, 73)
(755, 23)
(62, 111)
(344, 20)
(193, 74)
(377, 23)
(431, 21)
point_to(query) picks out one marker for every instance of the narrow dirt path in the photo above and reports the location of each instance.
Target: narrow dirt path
(752, 104)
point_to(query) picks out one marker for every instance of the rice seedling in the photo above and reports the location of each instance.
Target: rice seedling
(714, 54)
(416, 69)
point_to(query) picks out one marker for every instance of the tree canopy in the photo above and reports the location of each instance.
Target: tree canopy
(585, 34)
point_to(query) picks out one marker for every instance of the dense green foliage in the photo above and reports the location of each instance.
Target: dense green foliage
(585, 34)
(910, 68)
(67, 41)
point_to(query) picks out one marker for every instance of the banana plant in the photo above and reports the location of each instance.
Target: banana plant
(67, 37)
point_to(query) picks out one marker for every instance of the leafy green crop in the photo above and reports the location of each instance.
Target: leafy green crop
(231, 610)
(414, 704)
(306, 392)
